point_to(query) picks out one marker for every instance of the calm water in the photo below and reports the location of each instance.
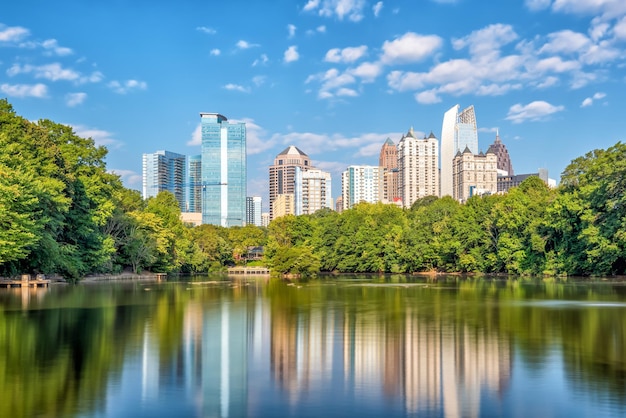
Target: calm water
(363, 347)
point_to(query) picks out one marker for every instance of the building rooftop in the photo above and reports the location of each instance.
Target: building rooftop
(292, 150)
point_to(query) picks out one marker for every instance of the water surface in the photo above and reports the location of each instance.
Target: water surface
(352, 346)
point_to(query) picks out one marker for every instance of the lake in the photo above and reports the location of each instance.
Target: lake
(373, 346)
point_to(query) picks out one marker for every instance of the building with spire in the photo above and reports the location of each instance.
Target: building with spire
(418, 174)
(505, 166)
(474, 174)
(283, 174)
(458, 131)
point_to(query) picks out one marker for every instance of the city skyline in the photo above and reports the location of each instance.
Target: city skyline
(333, 78)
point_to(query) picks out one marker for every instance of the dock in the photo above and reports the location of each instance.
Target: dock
(26, 281)
(248, 271)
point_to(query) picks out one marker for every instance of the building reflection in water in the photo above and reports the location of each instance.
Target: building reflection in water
(422, 363)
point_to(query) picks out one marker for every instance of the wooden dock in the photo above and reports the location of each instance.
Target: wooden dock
(26, 281)
(248, 271)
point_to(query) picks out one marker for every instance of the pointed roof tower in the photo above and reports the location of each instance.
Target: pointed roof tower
(504, 160)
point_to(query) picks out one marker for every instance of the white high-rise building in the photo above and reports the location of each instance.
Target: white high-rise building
(253, 210)
(360, 183)
(313, 191)
(418, 175)
(458, 131)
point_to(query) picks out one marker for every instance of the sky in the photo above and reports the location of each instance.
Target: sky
(332, 77)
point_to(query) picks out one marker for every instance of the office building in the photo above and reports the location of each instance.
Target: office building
(265, 219)
(165, 171)
(283, 173)
(507, 182)
(505, 167)
(459, 130)
(360, 183)
(284, 204)
(474, 174)
(312, 191)
(253, 210)
(223, 171)
(194, 182)
(418, 174)
(388, 161)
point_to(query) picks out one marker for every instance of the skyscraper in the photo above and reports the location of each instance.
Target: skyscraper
(313, 191)
(504, 160)
(253, 210)
(457, 132)
(388, 161)
(283, 173)
(417, 167)
(165, 171)
(474, 174)
(360, 183)
(194, 184)
(223, 171)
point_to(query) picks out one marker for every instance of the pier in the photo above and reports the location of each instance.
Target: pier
(248, 271)
(26, 281)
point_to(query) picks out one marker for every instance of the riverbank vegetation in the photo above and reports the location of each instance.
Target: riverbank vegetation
(62, 213)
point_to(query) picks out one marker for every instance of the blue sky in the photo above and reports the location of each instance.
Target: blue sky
(333, 77)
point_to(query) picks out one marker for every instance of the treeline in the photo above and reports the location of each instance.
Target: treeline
(576, 229)
(62, 213)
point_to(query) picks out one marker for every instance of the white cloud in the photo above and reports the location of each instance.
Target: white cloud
(127, 86)
(74, 99)
(410, 47)
(565, 41)
(486, 40)
(207, 30)
(346, 92)
(536, 5)
(13, 33)
(100, 136)
(262, 60)
(347, 55)
(319, 29)
(349, 9)
(196, 136)
(53, 48)
(619, 30)
(590, 100)
(534, 111)
(367, 71)
(259, 80)
(377, 8)
(607, 8)
(24, 90)
(245, 45)
(215, 52)
(236, 87)
(427, 97)
(130, 178)
(292, 30)
(52, 72)
(291, 54)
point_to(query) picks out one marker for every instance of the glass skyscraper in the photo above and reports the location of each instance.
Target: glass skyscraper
(223, 171)
(194, 182)
(165, 171)
(457, 132)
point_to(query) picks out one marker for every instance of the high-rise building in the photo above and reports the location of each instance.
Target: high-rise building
(283, 173)
(165, 171)
(474, 174)
(223, 171)
(458, 131)
(504, 160)
(265, 219)
(418, 175)
(253, 210)
(360, 183)
(284, 204)
(388, 161)
(313, 191)
(194, 182)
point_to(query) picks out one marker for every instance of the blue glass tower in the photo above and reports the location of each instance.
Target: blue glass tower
(223, 171)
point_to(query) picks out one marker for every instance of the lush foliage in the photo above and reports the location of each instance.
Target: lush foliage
(62, 213)
(576, 229)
